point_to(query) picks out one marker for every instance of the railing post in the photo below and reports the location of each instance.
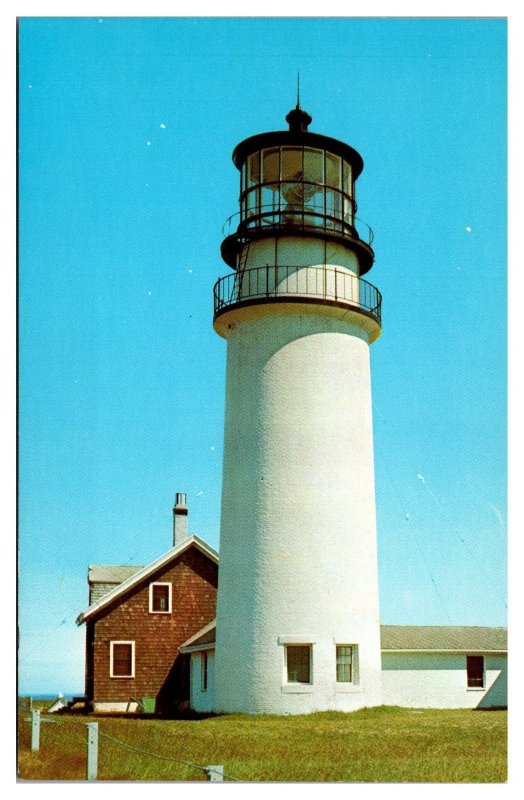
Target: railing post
(215, 772)
(336, 272)
(35, 730)
(92, 751)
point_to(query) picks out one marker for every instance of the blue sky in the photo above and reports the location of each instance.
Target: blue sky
(126, 131)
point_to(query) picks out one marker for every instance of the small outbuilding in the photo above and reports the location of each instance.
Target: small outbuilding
(444, 666)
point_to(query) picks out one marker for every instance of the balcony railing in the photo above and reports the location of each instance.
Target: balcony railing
(271, 217)
(323, 284)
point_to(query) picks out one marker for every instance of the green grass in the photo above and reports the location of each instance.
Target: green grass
(386, 744)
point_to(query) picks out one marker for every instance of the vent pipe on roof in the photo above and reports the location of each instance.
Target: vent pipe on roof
(180, 528)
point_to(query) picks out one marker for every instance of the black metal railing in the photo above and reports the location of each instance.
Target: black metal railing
(324, 284)
(271, 217)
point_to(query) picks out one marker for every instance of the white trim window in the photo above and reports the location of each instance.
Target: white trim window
(160, 598)
(298, 664)
(122, 659)
(347, 663)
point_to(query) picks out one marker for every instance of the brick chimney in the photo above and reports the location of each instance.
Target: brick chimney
(180, 531)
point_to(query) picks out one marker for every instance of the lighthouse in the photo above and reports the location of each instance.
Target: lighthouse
(297, 610)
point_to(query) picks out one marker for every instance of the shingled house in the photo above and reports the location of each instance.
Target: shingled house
(137, 619)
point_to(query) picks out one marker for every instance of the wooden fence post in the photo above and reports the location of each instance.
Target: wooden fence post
(215, 772)
(35, 730)
(92, 751)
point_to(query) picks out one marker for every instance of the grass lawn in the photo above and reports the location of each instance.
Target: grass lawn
(386, 744)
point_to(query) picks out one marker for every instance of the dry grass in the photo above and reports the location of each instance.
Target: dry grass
(372, 745)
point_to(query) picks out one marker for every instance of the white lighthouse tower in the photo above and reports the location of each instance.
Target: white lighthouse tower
(298, 613)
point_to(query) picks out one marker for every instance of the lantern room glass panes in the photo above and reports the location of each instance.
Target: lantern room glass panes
(270, 170)
(333, 203)
(346, 179)
(333, 171)
(313, 165)
(253, 169)
(348, 211)
(291, 163)
(293, 185)
(252, 202)
(270, 201)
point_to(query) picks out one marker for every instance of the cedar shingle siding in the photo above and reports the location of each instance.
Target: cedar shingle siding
(160, 671)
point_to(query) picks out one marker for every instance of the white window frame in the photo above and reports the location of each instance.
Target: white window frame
(111, 664)
(297, 688)
(299, 644)
(354, 664)
(151, 591)
(348, 686)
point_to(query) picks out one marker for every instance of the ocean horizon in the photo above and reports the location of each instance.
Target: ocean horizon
(49, 695)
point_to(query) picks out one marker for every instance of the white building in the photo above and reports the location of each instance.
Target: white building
(422, 667)
(444, 666)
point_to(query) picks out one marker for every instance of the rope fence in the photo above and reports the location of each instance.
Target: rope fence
(214, 772)
(219, 770)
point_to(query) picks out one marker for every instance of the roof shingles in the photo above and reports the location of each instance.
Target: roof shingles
(440, 638)
(443, 637)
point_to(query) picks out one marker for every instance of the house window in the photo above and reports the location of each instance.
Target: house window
(122, 660)
(475, 671)
(346, 658)
(160, 598)
(298, 663)
(204, 671)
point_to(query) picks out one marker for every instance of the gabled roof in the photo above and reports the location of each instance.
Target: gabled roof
(443, 638)
(205, 636)
(109, 573)
(413, 638)
(145, 572)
